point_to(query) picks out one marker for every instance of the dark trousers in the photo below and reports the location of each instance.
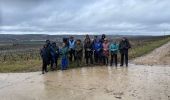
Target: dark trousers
(88, 56)
(113, 57)
(78, 58)
(54, 62)
(72, 54)
(105, 60)
(44, 67)
(124, 56)
(98, 57)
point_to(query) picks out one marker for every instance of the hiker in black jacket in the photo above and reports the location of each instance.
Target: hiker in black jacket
(124, 46)
(54, 55)
(45, 58)
(88, 47)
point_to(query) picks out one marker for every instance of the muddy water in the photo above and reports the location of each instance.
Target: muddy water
(92, 83)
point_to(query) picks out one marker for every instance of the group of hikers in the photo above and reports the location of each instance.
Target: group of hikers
(96, 51)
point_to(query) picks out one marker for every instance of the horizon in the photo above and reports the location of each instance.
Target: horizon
(92, 34)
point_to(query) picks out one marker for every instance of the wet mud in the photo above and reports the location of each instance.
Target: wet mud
(137, 82)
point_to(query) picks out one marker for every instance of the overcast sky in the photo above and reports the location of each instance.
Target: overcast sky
(140, 17)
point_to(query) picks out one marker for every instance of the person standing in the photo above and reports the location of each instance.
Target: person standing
(64, 56)
(48, 44)
(113, 48)
(105, 53)
(72, 43)
(45, 58)
(97, 47)
(78, 52)
(54, 55)
(124, 46)
(88, 51)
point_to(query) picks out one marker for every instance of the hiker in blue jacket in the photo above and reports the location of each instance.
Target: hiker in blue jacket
(72, 44)
(97, 47)
(113, 48)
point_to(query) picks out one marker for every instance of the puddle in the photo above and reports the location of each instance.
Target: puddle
(136, 82)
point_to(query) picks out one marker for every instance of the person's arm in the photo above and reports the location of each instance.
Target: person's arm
(129, 44)
(110, 47)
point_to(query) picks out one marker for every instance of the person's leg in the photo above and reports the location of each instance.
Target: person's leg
(122, 59)
(78, 61)
(52, 63)
(86, 57)
(62, 63)
(91, 58)
(66, 63)
(107, 60)
(46, 68)
(95, 57)
(126, 59)
(111, 60)
(43, 67)
(74, 56)
(100, 55)
(81, 60)
(103, 59)
(87, 60)
(56, 62)
(70, 57)
(115, 56)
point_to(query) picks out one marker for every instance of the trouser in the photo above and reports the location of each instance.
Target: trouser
(88, 56)
(64, 63)
(78, 58)
(105, 60)
(124, 56)
(72, 54)
(78, 61)
(97, 57)
(54, 62)
(105, 57)
(44, 66)
(113, 56)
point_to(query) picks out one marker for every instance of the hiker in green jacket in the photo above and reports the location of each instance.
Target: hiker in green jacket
(64, 57)
(78, 52)
(113, 48)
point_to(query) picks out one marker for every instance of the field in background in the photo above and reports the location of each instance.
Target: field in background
(21, 53)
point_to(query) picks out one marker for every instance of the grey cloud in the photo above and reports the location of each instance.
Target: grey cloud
(102, 16)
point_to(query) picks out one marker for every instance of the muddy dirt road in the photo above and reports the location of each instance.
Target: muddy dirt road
(160, 56)
(137, 82)
(92, 83)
